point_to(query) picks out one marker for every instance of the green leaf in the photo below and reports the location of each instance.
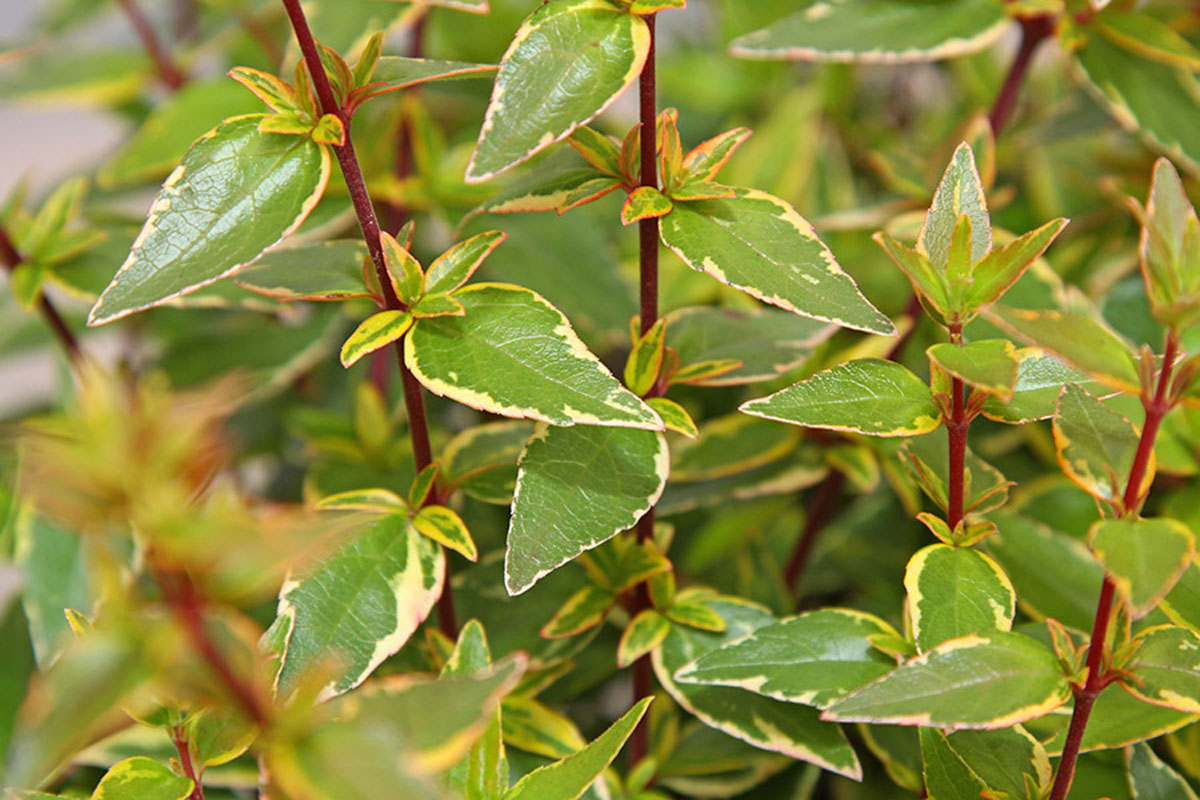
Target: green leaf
(423, 483)
(878, 32)
(1143, 34)
(266, 87)
(585, 609)
(871, 396)
(1170, 248)
(956, 591)
(976, 681)
(1002, 267)
(1040, 378)
(674, 417)
(168, 130)
(960, 193)
(576, 489)
(927, 281)
(359, 606)
(54, 569)
(382, 501)
(1068, 592)
(645, 202)
(219, 735)
(814, 659)
(705, 160)
(1150, 777)
(408, 280)
(534, 728)
(1166, 668)
(644, 633)
(376, 331)
(483, 772)
(142, 778)
(729, 445)
(553, 187)
(624, 562)
(964, 764)
(326, 271)
(1119, 719)
(400, 73)
(1096, 446)
(927, 460)
(989, 364)
(1146, 557)
(759, 244)
(567, 779)
(73, 76)
(482, 461)
(597, 149)
(236, 193)
(1182, 605)
(768, 342)
(19, 662)
(455, 267)
(645, 360)
(567, 63)
(694, 615)
(1144, 96)
(447, 528)
(786, 728)
(438, 305)
(516, 355)
(1077, 339)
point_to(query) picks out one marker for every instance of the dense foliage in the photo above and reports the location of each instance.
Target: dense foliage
(864, 470)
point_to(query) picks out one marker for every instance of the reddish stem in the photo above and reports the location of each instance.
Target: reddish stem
(643, 676)
(414, 401)
(180, 595)
(1034, 31)
(819, 513)
(956, 429)
(11, 260)
(1156, 407)
(168, 73)
(183, 748)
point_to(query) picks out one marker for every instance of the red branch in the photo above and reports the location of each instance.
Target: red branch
(168, 73)
(70, 345)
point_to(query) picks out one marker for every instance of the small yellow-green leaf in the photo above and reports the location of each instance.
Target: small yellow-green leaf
(535, 728)
(701, 190)
(268, 88)
(706, 159)
(437, 305)
(871, 396)
(645, 360)
(928, 282)
(286, 123)
(674, 416)
(422, 486)
(959, 194)
(583, 610)
(329, 130)
(1146, 557)
(383, 501)
(376, 331)
(1000, 269)
(455, 267)
(644, 633)
(142, 778)
(407, 277)
(654, 6)
(445, 527)
(710, 371)
(988, 364)
(695, 615)
(597, 149)
(645, 202)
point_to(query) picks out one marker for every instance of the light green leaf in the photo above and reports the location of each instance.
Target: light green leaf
(567, 779)
(551, 188)
(759, 244)
(382, 501)
(535, 728)
(19, 662)
(400, 73)
(168, 130)
(73, 76)
(482, 461)
(405, 273)
(814, 659)
(1147, 36)
(871, 396)
(483, 772)
(704, 161)
(927, 460)
(455, 267)
(1040, 378)
(1079, 340)
(359, 606)
(219, 735)
(963, 764)
(1166, 668)
(1144, 556)
(1002, 267)
(1150, 778)
(989, 364)
(878, 32)
(54, 570)
(1096, 446)
(1144, 96)
(583, 610)
(1182, 605)
(142, 778)
(236, 193)
(769, 724)
(376, 331)
(516, 355)
(1170, 248)
(674, 417)
(567, 63)
(438, 305)
(929, 282)
(447, 528)
(729, 445)
(956, 591)
(644, 633)
(694, 615)
(976, 681)
(645, 360)
(326, 271)
(768, 342)
(597, 149)
(271, 90)
(576, 489)
(959, 193)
